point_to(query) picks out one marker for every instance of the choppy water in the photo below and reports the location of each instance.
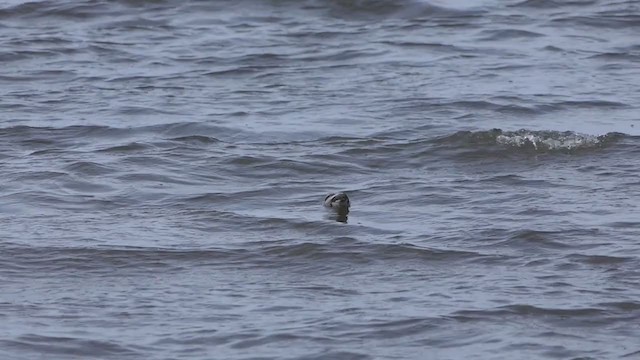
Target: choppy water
(164, 164)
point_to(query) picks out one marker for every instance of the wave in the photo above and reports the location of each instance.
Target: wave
(531, 140)
(321, 155)
(507, 34)
(341, 8)
(24, 261)
(71, 347)
(597, 314)
(66, 10)
(551, 4)
(605, 21)
(384, 151)
(404, 8)
(527, 310)
(185, 132)
(417, 150)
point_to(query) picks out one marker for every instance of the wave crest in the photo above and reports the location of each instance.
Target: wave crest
(553, 140)
(532, 141)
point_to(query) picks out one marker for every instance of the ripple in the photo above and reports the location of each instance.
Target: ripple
(552, 4)
(505, 34)
(89, 168)
(130, 147)
(69, 346)
(164, 165)
(600, 259)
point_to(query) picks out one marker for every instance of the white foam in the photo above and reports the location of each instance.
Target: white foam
(548, 140)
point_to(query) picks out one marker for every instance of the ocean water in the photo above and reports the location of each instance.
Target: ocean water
(164, 165)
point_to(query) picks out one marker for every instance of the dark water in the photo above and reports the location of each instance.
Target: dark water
(164, 164)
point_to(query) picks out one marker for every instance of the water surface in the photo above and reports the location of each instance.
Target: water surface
(164, 165)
